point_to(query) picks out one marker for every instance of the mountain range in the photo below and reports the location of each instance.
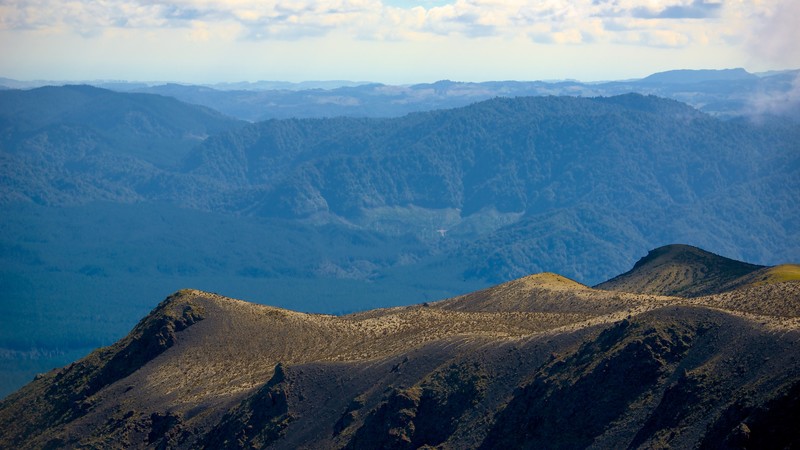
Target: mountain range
(489, 177)
(722, 93)
(541, 361)
(112, 199)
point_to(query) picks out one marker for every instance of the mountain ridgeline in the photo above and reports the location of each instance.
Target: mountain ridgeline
(538, 362)
(113, 199)
(722, 93)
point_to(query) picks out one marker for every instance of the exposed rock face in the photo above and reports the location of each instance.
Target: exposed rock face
(259, 420)
(573, 401)
(540, 362)
(427, 414)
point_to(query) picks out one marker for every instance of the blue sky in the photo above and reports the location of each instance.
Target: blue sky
(391, 41)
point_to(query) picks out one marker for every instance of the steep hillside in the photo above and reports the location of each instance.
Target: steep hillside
(505, 154)
(73, 144)
(538, 362)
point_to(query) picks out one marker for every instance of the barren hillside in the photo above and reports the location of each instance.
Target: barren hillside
(538, 362)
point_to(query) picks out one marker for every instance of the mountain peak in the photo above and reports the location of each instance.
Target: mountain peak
(551, 280)
(673, 252)
(680, 270)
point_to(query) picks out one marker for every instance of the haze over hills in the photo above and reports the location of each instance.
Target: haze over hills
(724, 93)
(112, 199)
(538, 361)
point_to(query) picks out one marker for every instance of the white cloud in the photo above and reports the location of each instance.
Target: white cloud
(647, 22)
(773, 35)
(496, 38)
(776, 102)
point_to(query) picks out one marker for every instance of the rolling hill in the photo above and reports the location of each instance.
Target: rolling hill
(685, 271)
(539, 361)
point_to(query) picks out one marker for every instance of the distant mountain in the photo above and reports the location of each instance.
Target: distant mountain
(699, 76)
(516, 186)
(725, 93)
(537, 362)
(286, 85)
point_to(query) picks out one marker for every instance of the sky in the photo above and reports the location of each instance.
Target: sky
(390, 41)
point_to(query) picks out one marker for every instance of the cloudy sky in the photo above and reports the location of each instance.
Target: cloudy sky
(391, 41)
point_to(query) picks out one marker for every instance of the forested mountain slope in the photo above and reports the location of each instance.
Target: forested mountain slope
(514, 179)
(513, 182)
